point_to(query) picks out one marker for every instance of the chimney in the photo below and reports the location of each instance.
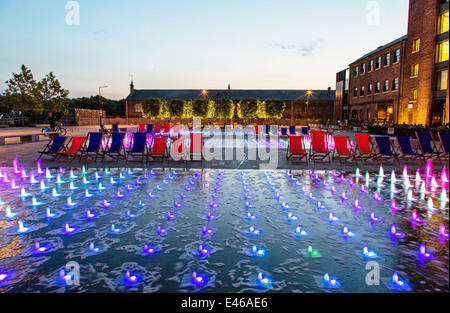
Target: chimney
(329, 90)
(131, 88)
(229, 89)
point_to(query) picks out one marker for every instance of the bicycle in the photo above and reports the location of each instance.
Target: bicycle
(59, 129)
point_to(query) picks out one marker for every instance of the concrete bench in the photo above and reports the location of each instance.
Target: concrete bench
(27, 137)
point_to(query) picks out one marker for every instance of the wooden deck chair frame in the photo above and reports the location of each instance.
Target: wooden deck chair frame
(318, 155)
(432, 153)
(362, 151)
(302, 156)
(388, 158)
(138, 156)
(71, 154)
(94, 153)
(157, 157)
(407, 157)
(48, 147)
(115, 155)
(344, 157)
(442, 139)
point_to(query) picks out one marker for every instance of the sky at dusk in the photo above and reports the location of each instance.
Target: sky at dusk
(192, 44)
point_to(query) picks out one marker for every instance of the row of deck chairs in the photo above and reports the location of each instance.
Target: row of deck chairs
(370, 150)
(90, 148)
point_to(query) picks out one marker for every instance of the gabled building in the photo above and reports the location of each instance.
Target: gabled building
(300, 104)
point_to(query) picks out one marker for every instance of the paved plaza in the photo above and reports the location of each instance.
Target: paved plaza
(28, 155)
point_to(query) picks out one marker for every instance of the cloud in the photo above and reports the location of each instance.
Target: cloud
(304, 49)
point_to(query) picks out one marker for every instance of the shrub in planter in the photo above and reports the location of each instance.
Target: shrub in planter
(224, 108)
(248, 108)
(151, 108)
(203, 108)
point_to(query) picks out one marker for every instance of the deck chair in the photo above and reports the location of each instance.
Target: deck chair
(149, 128)
(292, 131)
(157, 130)
(93, 149)
(296, 150)
(342, 152)
(139, 149)
(116, 149)
(177, 152)
(158, 151)
(52, 148)
(274, 130)
(319, 150)
(71, 149)
(141, 128)
(385, 151)
(257, 130)
(305, 131)
(443, 146)
(366, 153)
(115, 128)
(428, 150)
(175, 132)
(196, 148)
(408, 154)
(284, 132)
(166, 130)
(104, 129)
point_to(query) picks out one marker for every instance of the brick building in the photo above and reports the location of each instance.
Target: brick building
(308, 105)
(425, 88)
(406, 80)
(374, 83)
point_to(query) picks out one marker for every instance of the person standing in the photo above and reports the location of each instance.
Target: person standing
(52, 121)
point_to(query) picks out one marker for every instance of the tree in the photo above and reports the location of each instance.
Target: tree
(22, 92)
(151, 108)
(203, 108)
(248, 108)
(224, 108)
(175, 108)
(52, 96)
(272, 108)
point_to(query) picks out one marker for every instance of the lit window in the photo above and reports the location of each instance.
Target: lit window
(386, 85)
(395, 84)
(413, 94)
(397, 56)
(442, 80)
(442, 52)
(377, 87)
(416, 45)
(369, 89)
(415, 70)
(443, 23)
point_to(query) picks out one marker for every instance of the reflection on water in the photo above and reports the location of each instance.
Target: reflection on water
(221, 230)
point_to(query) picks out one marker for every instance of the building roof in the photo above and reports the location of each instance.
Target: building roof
(190, 94)
(381, 48)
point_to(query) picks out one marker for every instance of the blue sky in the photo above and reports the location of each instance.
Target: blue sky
(193, 44)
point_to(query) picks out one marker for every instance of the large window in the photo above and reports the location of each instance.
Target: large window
(355, 92)
(386, 85)
(415, 70)
(362, 91)
(363, 68)
(370, 66)
(442, 51)
(355, 73)
(395, 84)
(443, 23)
(377, 87)
(387, 59)
(416, 45)
(442, 80)
(378, 65)
(413, 95)
(397, 56)
(369, 89)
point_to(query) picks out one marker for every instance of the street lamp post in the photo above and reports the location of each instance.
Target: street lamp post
(100, 101)
(307, 101)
